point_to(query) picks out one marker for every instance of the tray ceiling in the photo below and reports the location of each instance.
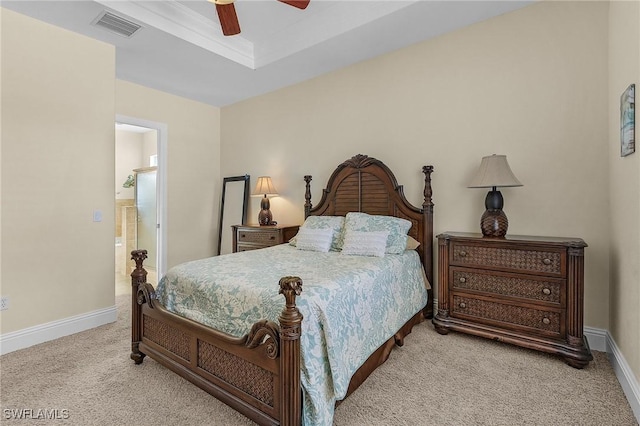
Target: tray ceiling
(180, 48)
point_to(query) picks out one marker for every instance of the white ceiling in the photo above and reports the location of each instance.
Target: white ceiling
(180, 48)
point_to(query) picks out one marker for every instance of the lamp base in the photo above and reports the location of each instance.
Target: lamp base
(494, 223)
(265, 218)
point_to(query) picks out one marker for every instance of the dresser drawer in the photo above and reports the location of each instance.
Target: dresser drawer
(253, 237)
(507, 316)
(550, 291)
(542, 261)
(247, 247)
(266, 238)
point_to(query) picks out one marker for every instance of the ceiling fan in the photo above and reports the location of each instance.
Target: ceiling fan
(229, 20)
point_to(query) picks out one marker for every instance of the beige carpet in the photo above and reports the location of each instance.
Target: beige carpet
(444, 380)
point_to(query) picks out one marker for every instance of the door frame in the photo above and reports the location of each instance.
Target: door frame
(161, 185)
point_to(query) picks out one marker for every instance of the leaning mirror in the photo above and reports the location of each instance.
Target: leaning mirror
(233, 209)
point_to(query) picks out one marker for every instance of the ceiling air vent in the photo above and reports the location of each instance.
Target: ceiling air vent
(116, 24)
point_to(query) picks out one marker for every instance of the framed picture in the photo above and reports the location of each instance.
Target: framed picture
(628, 121)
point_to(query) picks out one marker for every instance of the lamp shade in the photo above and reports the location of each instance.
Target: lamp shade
(265, 187)
(494, 171)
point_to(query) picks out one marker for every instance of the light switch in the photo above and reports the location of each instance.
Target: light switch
(97, 215)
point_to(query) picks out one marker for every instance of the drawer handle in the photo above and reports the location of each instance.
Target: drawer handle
(546, 261)
(273, 237)
(463, 305)
(463, 280)
(463, 253)
(546, 321)
(242, 235)
(546, 291)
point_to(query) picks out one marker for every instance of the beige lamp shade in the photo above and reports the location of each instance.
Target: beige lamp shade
(265, 187)
(494, 172)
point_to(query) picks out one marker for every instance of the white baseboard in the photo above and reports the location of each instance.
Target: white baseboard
(601, 340)
(21, 339)
(597, 338)
(625, 376)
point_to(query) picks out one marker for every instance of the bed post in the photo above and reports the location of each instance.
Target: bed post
(138, 277)
(307, 196)
(427, 212)
(290, 329)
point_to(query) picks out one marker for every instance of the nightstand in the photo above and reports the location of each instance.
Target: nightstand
(252, 237)
(522, 290)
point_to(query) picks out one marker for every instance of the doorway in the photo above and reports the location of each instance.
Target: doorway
(140, 206)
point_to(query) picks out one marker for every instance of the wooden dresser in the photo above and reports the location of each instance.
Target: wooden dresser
(251, 237)
(523, 290)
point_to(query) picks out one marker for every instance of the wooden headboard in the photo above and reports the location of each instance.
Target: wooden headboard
(365, 184)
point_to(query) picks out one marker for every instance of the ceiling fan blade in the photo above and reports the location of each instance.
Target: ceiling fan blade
(228, 19)
(300, 4)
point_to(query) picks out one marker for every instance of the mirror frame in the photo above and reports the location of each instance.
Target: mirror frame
(245, 203)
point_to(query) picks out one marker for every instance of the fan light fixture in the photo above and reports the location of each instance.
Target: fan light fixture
(229, 19)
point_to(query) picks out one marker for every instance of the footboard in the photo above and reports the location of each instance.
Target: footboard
(257, 374)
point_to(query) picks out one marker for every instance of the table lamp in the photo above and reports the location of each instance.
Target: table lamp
(494, 172)
(265, 187)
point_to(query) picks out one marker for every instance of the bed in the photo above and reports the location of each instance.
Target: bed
(264, 372)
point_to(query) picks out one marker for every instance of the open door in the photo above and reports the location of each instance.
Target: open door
(147, 214)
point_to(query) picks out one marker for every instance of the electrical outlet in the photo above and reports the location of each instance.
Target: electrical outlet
(4, 303)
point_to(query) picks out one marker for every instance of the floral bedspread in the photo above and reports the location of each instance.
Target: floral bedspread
(350, 304)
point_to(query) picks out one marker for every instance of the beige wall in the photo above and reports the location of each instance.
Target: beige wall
(531, 84)
(128, 157)
(58, 165)
(149, 147)
(57, 168)
(193, 175)
(624, 69)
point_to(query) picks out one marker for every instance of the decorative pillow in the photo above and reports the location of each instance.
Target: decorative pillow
(365, 243)
(397, 228)
(412, 244)
(335, 223)
(314, 239)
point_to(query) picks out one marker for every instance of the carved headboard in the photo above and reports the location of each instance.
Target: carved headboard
(365, 184)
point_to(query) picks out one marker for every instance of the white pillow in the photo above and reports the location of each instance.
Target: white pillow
(334, 223)
(365, 243)
(314, 239)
